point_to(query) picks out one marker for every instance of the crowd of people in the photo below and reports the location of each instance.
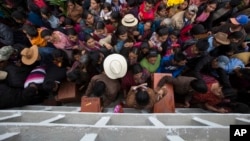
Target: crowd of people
(112, 48)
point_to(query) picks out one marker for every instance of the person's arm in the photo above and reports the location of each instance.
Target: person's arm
(105, 41)
(223, 77)
(164, 80)
(204, 61)
(214, 109)
(90, 88)
(130, 100)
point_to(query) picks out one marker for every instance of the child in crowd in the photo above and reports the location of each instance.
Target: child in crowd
(106, 11)
(158, 37)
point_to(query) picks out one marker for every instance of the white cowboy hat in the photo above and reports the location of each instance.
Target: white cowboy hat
(115, 66)
(129, 20)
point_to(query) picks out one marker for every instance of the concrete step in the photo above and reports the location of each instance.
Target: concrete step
(65, 123)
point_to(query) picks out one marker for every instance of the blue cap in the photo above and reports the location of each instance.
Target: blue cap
(240, 20)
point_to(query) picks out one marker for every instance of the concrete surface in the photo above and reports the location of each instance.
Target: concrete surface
(41, 123)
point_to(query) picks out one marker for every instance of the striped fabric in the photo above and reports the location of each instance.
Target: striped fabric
(36, 76)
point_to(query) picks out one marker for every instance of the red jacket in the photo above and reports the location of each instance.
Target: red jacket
(146, 16)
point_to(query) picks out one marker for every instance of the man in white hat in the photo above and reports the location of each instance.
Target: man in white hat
(106, 85)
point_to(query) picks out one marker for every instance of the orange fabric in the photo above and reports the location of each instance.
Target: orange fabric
(39, 41)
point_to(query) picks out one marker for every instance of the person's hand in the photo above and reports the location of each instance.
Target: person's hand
(75, 47)
(186, 104)
(161, 92)
(108, 46)
(160, 49)
(136, 33)
(128, 44)
(222, 110)
(209, 33)
(244, 45)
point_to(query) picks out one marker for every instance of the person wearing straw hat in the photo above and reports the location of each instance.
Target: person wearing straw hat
(106, 85)
(130, 21)
(217, 40)
(235, 24)
(30, 55)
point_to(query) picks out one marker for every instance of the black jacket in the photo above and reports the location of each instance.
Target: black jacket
(16, 97)
(6, 35)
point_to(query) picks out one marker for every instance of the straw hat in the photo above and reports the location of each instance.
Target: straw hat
(129, 20)
(30, 55)
(115, 66)
(221, 38)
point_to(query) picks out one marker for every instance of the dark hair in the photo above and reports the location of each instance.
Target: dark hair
(179, 57)
(175, 33)
(161, 7)
(134, 50)
(68, 21)
(144, 45)
(46, 11)
(94, 57)
(197, 29)
(30, 30)
(199, 85)
(74, 2)
(119, 31)
(116, 15)
(19, 15)
(236, 35)
(142, 97)
(152, 53)
(137, 68)
(99, 25)
(73, 75)
(202, 45)
(107, 5)
(99, 88)
(76, 52)
(162, 31)
(150, 1)
(45, 33)
(58, 53)
(131, 3)
(212, 2)
(71, 31)
(87, 37)
(85, 14)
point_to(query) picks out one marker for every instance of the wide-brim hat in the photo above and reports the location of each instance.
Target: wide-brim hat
(115, 66)
(30, 55)
(129, 20)
(221, 38)
(3, 75)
